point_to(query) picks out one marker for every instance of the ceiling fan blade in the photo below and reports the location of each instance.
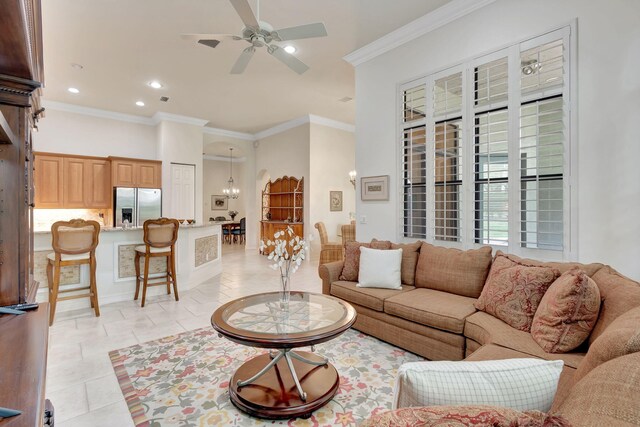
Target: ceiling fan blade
(246, 14)
(210, 43)
(289, 60)
(198, 37)
(300, 32)
(243, 60)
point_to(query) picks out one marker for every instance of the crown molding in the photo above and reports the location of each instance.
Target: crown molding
(282, 127)
(229, 134)
(223, 158)
(168, 117)
(161, 116)
(318, 120)
(443, 15)
(96, 112)
(309, 118)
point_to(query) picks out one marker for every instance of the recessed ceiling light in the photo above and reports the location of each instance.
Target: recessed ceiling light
(290, 49)
(73, 90)
(76, 66)
(140, 103)
(155, 84)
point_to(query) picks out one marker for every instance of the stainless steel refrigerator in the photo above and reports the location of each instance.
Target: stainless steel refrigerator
(136, 205)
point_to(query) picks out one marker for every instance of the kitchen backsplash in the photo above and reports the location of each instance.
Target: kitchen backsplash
(44, 218)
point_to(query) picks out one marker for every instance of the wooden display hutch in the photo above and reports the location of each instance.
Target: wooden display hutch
(282, 206)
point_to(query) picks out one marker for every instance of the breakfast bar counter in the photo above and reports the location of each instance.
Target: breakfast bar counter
(198, 258)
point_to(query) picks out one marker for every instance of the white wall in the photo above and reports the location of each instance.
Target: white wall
(215, 177)
(72, 133)
(179, 143)
(332, 156)
(608, 91)
(286, 153)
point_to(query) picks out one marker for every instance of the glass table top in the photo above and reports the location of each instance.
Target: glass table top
(306, 313)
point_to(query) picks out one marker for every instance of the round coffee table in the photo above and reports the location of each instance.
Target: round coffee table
(283, 383)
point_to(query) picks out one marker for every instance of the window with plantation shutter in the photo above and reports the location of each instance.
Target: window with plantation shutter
(414, 161)
(484, 150)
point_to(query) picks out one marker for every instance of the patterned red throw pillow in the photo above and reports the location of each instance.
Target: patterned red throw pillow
(351, 265)
(463, 416)
(567, 313)
(513, 290)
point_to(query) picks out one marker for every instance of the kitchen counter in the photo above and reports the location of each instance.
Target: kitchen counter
(198, 258)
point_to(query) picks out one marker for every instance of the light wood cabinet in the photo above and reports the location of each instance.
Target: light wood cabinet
(98, 190)
(48, 179)
(123, 173)
(136, 173)
(72, 182)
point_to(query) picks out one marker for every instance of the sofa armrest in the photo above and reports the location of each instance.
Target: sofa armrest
(329, 273)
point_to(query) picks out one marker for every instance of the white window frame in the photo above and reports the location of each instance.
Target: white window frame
(569, 252)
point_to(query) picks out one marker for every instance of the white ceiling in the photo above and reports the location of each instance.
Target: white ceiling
(123, 44)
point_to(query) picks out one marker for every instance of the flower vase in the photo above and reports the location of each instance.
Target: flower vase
(285, 291)
(233, 217)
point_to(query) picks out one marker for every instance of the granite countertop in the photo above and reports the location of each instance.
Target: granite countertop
(115, 229)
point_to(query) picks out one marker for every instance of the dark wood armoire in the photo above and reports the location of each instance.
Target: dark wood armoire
(23, 338)
(21, 77)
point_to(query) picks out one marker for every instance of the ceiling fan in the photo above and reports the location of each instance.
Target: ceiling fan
(261, 34)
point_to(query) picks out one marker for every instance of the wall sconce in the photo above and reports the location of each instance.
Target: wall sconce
(352, 178)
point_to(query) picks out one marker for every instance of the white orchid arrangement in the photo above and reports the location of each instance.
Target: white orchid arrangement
(288, 253)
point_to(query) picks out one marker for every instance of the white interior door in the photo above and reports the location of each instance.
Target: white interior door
(183, 193)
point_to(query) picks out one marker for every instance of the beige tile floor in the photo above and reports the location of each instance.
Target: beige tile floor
(81, 382)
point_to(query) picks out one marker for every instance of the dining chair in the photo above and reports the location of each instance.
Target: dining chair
(240, 232)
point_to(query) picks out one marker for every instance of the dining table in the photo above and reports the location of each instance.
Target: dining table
(227, 228)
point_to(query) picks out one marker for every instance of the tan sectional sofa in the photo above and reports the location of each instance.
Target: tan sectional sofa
(444, 325)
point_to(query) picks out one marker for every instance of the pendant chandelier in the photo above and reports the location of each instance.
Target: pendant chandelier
(231, 192)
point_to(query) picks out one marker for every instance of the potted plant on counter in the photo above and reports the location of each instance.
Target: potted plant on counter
(233, 214)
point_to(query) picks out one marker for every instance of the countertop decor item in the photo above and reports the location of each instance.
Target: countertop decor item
(233, 214)
(288, 253)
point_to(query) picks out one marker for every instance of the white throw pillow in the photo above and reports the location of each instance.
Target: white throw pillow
(520, 384)
(380, 268)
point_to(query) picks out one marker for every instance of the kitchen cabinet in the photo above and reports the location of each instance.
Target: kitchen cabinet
(48, 179)
(98, 191)
(72, 182)
(136, 173)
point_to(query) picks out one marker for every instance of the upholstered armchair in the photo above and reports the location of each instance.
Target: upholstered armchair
(348, 233)
(329, 251)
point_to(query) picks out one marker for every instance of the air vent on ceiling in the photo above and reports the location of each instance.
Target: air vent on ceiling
(164, 98)
(345, 99)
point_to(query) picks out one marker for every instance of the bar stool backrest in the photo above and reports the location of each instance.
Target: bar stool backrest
(161, 232)
(74, 237)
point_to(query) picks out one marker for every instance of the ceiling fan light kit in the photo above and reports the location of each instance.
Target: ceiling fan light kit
(261, 34)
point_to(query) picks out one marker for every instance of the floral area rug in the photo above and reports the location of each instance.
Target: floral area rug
(183, 380)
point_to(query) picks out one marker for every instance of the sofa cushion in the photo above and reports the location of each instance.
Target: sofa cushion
(463, 416)
(496, 352)
(351, 264)
(606, 396)
(522, 384)
(410, 253)
(372, 298)
(452, 270)
(619, 294)
(379, 269)
(513, 290)
(621, 337)
(567, 312)
(437, 309)
(486, 329)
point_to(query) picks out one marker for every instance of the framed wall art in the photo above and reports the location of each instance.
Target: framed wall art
(219, 203)
(374, 188)
(335, 201)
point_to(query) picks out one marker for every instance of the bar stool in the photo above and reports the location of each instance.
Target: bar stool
(159, 237)
(74, 243)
